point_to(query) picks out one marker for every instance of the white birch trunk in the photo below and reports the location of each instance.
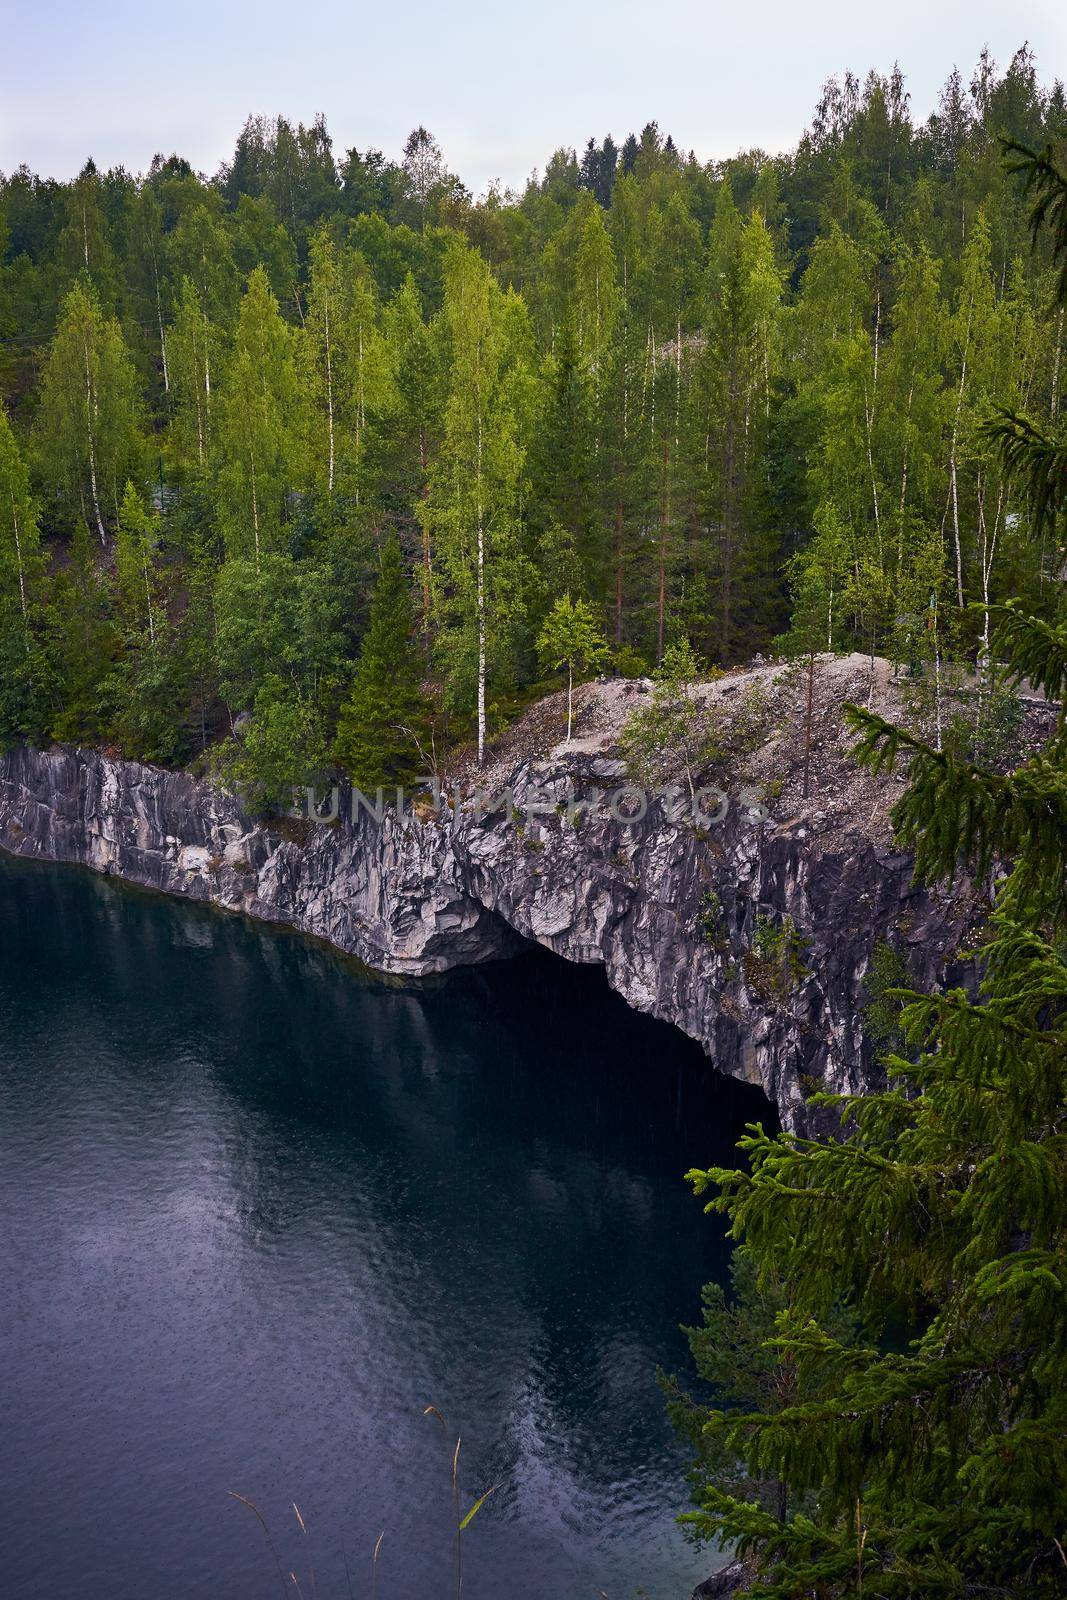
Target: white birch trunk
(90, 412)
(481, 599)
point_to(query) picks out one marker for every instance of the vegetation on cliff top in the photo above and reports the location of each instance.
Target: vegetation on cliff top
(708, 403)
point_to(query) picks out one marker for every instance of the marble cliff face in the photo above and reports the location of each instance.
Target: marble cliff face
(689, 921)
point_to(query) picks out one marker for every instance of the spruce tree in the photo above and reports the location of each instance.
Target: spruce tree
(563, 473)
(930, 1457)
(382, 722)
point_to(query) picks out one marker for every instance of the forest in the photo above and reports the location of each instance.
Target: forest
(307, 463)
(322, 465)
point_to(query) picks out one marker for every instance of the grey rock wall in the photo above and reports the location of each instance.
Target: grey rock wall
(671, 911)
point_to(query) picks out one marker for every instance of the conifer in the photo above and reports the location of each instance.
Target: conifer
(384, 718)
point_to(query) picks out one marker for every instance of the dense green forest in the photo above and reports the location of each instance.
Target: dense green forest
(882, 1407)
(713, 402)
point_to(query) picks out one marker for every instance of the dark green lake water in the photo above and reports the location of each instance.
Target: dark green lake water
(259, 1209)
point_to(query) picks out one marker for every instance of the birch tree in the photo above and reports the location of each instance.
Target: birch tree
(973, 355)
(88, 436)
(20, 549)
(323, 352)
(192, 345)
(414, 420)
(259, 428)
(367, 382)
(136, 559)
(472, 509)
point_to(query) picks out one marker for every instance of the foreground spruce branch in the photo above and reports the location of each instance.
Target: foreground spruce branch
(897, 1427)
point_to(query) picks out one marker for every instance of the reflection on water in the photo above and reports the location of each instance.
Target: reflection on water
(261, 1208)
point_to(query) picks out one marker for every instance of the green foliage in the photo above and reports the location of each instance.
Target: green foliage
(282, 616)
(23, 669)
(1034, 453)
(382, 724)
(81, 642)
(991, 734)
(259, 429)
(930, 1460)
(675, 732)
(570, 638)
(774, 963)
(282, 750)
(471, 514)
(1045, 182)
(712, 918)
(882, 1004)
(728, 401)
(740, 1371)
(88, 424)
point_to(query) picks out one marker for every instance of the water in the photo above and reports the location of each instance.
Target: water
(260, 1209)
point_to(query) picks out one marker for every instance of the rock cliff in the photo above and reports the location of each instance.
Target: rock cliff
(750, 925)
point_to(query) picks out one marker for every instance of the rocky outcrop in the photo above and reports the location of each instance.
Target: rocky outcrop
(724, 1584)
(753, 933)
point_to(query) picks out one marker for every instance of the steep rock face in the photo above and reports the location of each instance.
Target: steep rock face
(678, 914)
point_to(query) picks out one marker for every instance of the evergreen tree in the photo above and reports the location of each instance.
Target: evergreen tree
(742, 1371)
(383, 721)
(929, 1459)
(1035, 450)
(657, 426)
(81, 644)
(734, 383)
(563, 473)
(411, 426)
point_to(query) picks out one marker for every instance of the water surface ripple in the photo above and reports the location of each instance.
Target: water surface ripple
(259, 1209)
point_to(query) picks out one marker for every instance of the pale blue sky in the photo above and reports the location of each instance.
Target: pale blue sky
(501, 88)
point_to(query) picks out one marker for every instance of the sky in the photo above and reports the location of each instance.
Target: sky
(500, 87)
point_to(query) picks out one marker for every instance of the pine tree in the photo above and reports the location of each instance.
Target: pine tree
(383, 721)
(740, 1371)
(1035, 450)
(735, 377)
(81, 645)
